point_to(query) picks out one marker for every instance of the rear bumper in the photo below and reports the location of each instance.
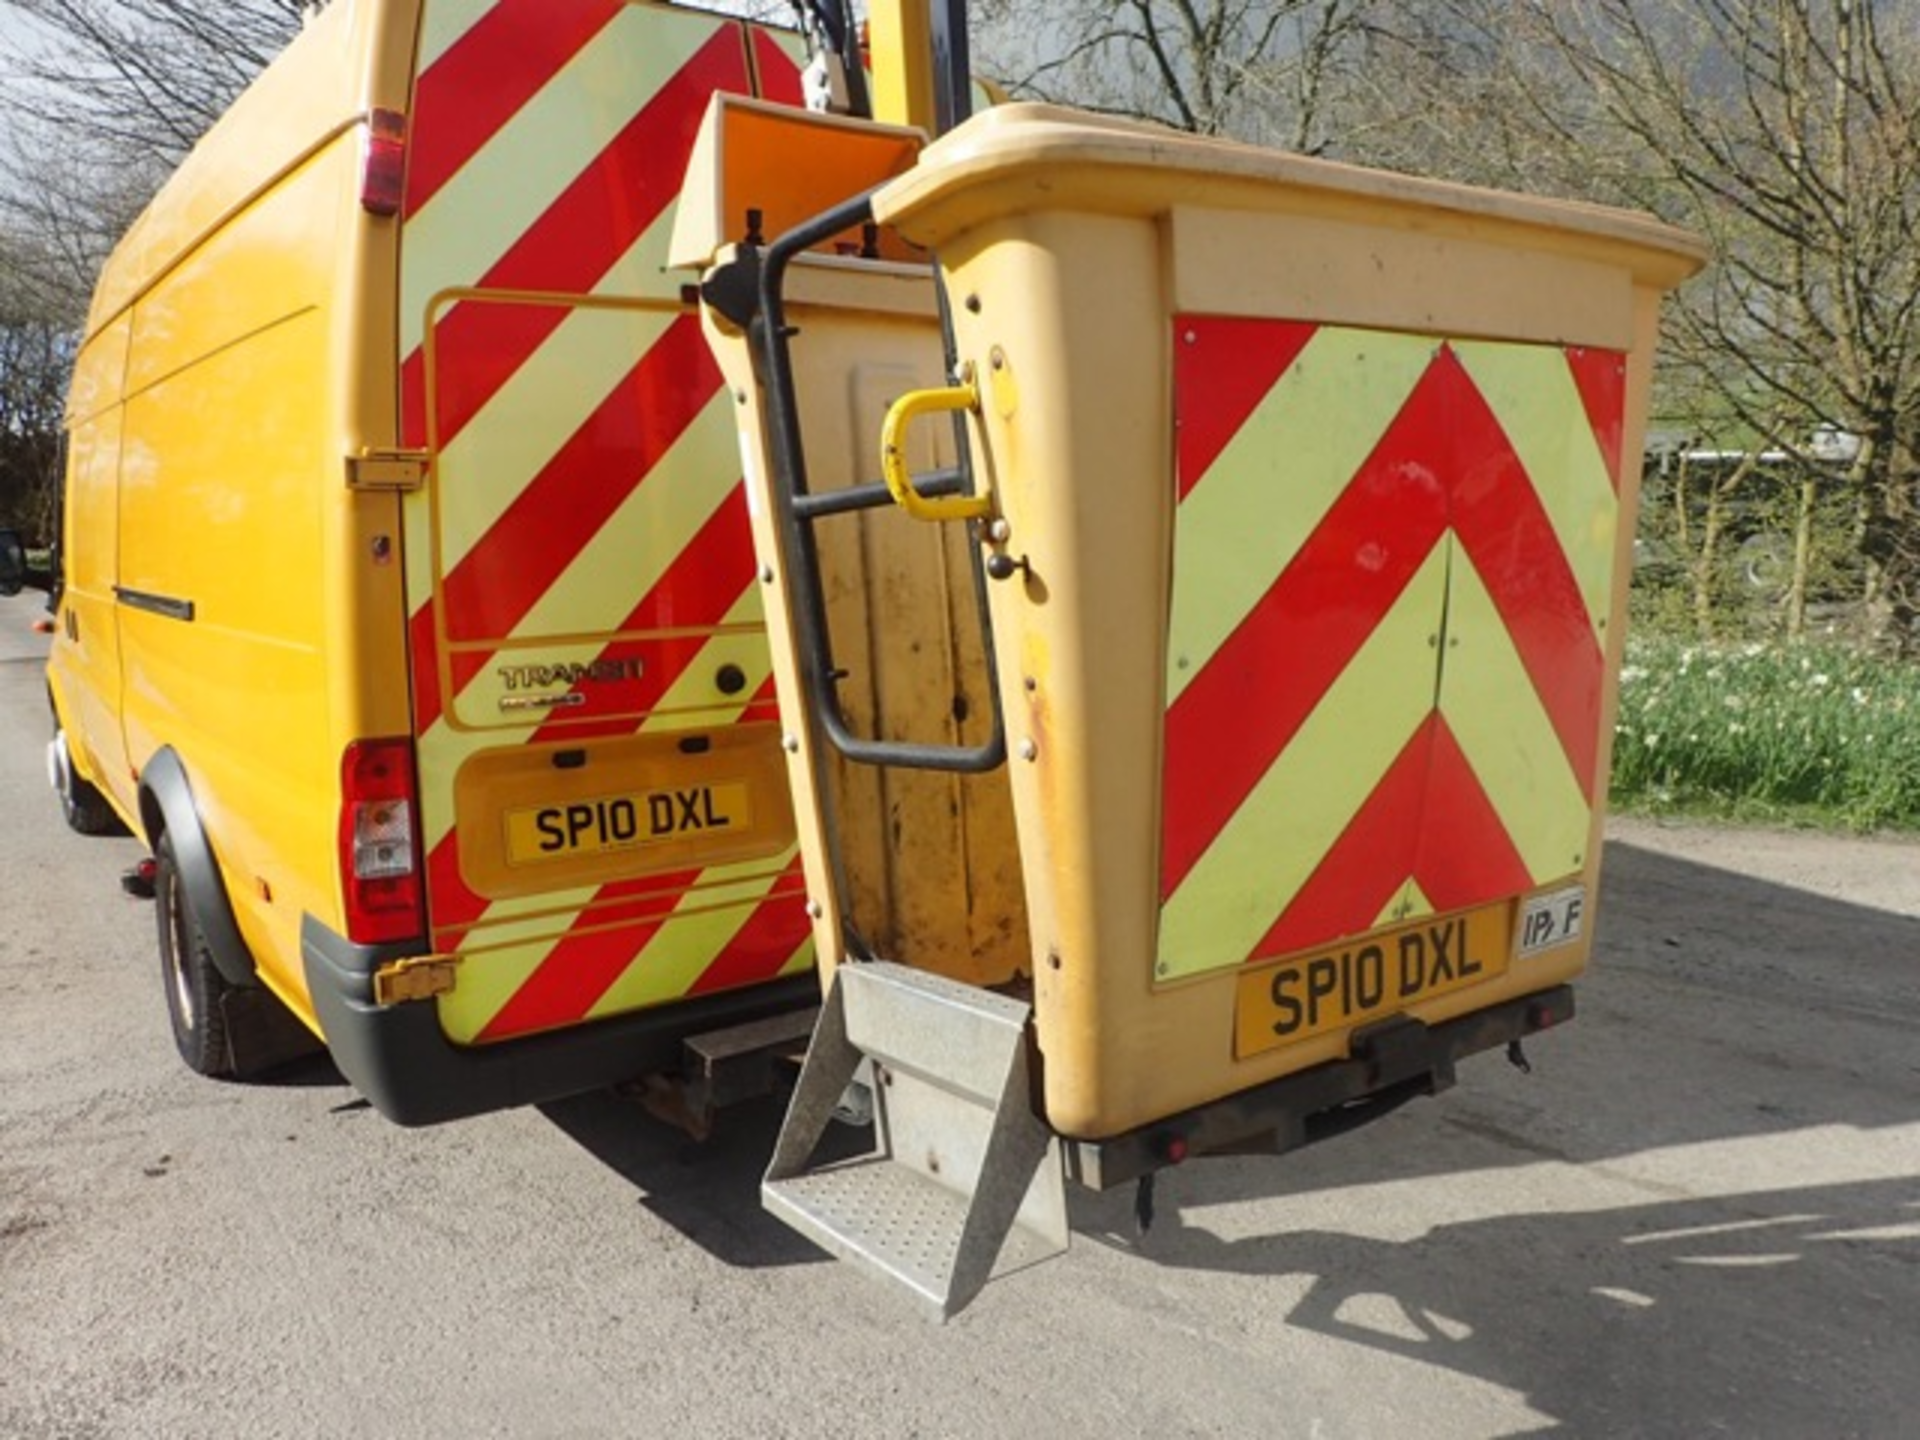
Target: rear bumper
(402, 1062)
(1393, 1062)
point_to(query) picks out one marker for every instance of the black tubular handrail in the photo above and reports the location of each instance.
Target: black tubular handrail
(796, 507)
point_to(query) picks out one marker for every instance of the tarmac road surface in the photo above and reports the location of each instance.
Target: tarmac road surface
(1699, 1216)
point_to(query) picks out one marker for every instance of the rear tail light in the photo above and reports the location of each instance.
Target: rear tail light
(383, 162)
(380, 843)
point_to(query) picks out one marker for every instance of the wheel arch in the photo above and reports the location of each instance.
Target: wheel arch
(167, 804)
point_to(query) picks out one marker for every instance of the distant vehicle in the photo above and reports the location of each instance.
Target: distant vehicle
(1758, 518)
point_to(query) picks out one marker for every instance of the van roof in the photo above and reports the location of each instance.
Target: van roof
(317, 88)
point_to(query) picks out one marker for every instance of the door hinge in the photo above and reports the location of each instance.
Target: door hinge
(378, 469)
(419, 978)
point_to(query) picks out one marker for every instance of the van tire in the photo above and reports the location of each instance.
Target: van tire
(84, 808)
(1763, 566)
(195, 989)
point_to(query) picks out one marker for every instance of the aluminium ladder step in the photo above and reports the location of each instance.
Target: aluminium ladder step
(964, 1174)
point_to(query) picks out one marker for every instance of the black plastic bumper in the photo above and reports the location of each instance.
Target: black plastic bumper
(400, 1059)
(1393, 1062)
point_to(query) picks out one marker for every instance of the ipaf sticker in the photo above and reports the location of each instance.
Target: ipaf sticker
(1551, 920)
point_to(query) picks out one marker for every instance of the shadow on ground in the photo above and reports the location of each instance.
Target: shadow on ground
(1719, 1008)
(1787, 1312)
(708, 1190)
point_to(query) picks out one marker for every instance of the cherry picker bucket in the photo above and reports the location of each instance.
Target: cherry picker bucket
(1301, 498)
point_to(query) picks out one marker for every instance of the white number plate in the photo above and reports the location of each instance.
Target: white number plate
(1552, 920)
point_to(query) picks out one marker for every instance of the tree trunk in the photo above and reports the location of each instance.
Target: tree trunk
(1802, 560)
(1706, 566)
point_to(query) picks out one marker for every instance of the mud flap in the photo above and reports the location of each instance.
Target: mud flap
(263, 1033)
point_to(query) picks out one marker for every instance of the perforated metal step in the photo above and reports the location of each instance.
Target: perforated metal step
(965, 1181)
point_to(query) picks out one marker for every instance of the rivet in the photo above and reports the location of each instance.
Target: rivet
(1191, 338)
(1029, 750)
(815, 909)
(766, 574)
(739, 397)
(790, 743)
(973, 304)
(1000, 531)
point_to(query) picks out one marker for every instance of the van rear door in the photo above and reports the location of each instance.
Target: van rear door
(602, 790)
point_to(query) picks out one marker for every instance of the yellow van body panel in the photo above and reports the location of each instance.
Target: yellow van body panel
(333, 459)
(239, 346)
(242, 689)
(85, 678)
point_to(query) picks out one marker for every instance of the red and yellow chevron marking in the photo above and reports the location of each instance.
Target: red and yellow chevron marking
(586, 506)
(1393, 572)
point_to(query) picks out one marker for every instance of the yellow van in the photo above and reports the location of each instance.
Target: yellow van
(407, 605)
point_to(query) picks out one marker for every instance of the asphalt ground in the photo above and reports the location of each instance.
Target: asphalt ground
(1700, 1215)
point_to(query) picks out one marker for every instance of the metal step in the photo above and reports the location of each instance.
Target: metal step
(965, 1182)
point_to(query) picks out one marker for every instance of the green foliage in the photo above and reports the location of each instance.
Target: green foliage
(1827, 733)
(35, 362)
(1716, 552)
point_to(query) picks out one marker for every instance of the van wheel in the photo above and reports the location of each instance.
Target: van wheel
(1764, 566)
(84, 808)
(194, 986)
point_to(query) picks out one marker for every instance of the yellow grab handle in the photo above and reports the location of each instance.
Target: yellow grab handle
(893, 454)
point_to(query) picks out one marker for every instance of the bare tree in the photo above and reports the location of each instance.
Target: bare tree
(103, 98)
(1789, 132)
(1257, 71)
(143, 79)
(36, 357)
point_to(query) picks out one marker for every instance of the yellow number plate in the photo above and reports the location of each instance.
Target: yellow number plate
(628, 822)
(1369, 978)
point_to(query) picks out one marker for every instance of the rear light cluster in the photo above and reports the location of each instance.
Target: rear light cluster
(383, 162)
(380, 843)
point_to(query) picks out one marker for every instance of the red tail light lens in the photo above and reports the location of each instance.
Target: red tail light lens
(380, 843)
(383, 162)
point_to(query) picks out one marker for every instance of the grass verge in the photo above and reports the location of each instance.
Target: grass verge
(1819, 735)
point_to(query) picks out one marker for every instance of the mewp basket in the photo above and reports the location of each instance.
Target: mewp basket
(1307, 496)
(1321, 487)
